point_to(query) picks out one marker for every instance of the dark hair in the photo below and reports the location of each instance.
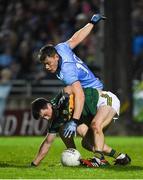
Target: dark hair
(47, 50)
(37, 105)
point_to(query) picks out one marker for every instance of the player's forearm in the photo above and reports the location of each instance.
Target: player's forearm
(44, 148)
(80, 35)
(79, 103)
(83, 32)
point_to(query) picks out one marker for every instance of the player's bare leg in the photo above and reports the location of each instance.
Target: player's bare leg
(88, 143)
(102, 119)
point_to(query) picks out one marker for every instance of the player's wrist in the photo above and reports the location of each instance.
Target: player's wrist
(75, 120)
(96, 18)
(92, 22)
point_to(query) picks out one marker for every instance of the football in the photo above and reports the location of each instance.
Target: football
(70, 157)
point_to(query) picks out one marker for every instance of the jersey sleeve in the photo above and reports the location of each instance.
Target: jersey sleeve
(63, 45)
(64, 51)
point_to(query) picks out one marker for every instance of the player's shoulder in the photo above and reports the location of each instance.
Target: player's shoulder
(62, 45)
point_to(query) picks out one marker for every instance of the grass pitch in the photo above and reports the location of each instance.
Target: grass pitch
(16, 153)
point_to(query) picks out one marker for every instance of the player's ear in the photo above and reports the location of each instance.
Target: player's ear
(49, 105)
(56, 56)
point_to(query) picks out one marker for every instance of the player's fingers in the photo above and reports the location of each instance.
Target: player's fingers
(65, 133)
(104, 17)
(70, 133)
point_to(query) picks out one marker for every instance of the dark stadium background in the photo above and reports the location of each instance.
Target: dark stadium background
(114, 52)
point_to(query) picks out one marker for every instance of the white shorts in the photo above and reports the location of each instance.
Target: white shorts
(107, 98)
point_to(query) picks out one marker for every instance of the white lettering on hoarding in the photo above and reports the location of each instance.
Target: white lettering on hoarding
(40, 130)
(21, 123)
(27, 125)
(10, 125)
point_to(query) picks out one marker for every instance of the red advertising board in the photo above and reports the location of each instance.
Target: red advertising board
(20, 122)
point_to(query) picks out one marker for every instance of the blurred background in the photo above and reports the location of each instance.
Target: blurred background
(113, 51)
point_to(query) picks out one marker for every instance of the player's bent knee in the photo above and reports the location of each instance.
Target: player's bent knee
(97, 128)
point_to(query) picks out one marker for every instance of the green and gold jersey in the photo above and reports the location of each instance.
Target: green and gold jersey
(63, 109)
(63, 106)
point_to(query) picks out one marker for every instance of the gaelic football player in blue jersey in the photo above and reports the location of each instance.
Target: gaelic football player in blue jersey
(81, 82)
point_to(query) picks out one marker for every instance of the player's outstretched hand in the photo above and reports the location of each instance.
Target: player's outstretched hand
(33, 165)
(96, 18)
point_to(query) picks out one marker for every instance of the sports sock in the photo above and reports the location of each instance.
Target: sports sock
(99, 155)
(113, 153)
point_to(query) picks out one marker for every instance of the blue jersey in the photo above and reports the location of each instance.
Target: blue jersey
(73, 69)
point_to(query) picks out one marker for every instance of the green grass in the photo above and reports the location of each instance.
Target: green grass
(16, 153)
